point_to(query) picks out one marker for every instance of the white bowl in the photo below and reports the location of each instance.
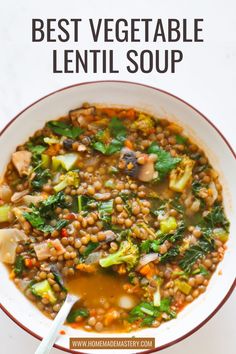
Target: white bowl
(161, 104)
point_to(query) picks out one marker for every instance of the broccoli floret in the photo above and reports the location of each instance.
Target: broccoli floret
(128, 253)
(144, 123)
(71, 178)
(181, 176)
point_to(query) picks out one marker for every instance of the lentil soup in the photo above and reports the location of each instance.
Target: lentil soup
(118, 207)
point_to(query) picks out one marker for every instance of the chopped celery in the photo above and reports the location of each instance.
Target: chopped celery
(51, 141)
(66, 161)
(4, 213)
(169, 224)
(44, 290)
(183, 286)
(147, 311)
(45, 161)
(221, 234)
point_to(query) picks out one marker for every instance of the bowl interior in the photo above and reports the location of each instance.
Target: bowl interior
(159, 104)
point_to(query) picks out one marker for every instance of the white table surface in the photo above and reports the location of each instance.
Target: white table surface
(206, 78)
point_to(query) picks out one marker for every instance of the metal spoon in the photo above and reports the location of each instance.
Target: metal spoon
(47, 343)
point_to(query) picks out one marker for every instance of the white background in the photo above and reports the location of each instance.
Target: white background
(206, 78)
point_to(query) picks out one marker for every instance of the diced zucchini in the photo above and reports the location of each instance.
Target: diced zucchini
(45, 161)
(221, 234)
(4, 213)
(183, 286)
(44, 290)
(167, 225)
(66, 161)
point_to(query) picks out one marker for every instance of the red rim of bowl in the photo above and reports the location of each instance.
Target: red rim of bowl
(233, 153)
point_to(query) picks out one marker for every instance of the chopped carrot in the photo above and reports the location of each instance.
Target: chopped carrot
(12, 275)
(53, 149)
(28, 263)
(64, 232)
(110, 112)
(152, 131)
(93, 312)
(129, 144)
(148, 270)
(130, 114)
(88, 268)
(62, 332)
(174, 128)
(145, 269)
(70, 216)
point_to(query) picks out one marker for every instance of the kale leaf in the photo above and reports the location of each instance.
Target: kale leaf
(194, 253)
(216, 218)
(42, 176)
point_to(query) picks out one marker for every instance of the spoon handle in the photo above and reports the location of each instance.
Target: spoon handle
(48, 341)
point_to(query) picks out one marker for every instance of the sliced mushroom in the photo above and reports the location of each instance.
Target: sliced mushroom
(82, 148)
(147, 172)
(21, 160)
(109, 235)
(8, 243)
(32, 199)
(19, 195)
(78, 115)
(128, 163)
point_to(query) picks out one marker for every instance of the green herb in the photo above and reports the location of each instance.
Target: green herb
(36, 149)
(61, 128)
(117, 129)
(165, 162)
(180, 139)
(118, 132)
(91, 246)
(75, 313)
(41, 178)
(114, 146)
(194, 253)
(19, 265)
